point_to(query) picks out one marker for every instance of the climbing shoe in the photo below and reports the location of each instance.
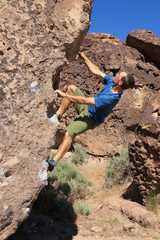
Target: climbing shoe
(51, 164)
(55, 118)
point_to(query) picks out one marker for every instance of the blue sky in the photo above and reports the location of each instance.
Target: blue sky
(119, 17)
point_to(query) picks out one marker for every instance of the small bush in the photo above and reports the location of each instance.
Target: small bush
(65, 184)
(113, 221)
(78, 155)
(69, 179)
(118, 170)
(153, 202)
(88, 211)
(81, 208)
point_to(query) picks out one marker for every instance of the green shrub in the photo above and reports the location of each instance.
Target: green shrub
(118, 170)
(69, 179)
(81, 208)
(65, 184)
(153, 202)
(88, 211)
(78, 155)
(112, 221)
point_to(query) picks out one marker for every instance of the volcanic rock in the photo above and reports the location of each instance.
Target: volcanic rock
(130, 212)
(147, 43)
(38, 38)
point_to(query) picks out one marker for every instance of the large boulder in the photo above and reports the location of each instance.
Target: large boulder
(130, 213)
(38, 38)
(147, 43)
(145, 152)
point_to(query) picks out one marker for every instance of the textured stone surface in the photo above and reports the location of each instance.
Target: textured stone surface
(129, 211)
(37, 39)
(137, 109)
(147, 43)
(145, 152)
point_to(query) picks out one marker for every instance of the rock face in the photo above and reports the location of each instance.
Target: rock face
(147, 43)
(130, 212)
(37, 40)
(145, 152)
(138, 108)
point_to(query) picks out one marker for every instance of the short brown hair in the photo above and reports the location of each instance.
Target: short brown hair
(128, 81)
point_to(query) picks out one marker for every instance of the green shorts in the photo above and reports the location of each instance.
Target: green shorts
(84, 121)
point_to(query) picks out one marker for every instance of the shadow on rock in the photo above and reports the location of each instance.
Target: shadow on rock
(52, 218)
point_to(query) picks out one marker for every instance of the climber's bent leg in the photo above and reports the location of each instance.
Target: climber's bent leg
(63, 148)
(65, 102)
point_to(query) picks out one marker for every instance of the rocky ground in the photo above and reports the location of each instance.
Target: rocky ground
(111, 218)
(107, 221)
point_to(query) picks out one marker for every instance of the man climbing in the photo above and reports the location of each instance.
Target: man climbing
(92, 110)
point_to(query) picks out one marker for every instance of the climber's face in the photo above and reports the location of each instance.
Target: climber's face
(118, 77)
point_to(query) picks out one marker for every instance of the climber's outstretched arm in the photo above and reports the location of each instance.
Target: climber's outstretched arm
(93, 68)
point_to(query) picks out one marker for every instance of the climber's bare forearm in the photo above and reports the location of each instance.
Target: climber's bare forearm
(77, 99)
(81, 100)
(93, 68)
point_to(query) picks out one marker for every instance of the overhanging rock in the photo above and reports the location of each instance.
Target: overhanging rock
(37, 39)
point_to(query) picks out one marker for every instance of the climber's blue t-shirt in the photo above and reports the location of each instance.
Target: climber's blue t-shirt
(105, 101)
